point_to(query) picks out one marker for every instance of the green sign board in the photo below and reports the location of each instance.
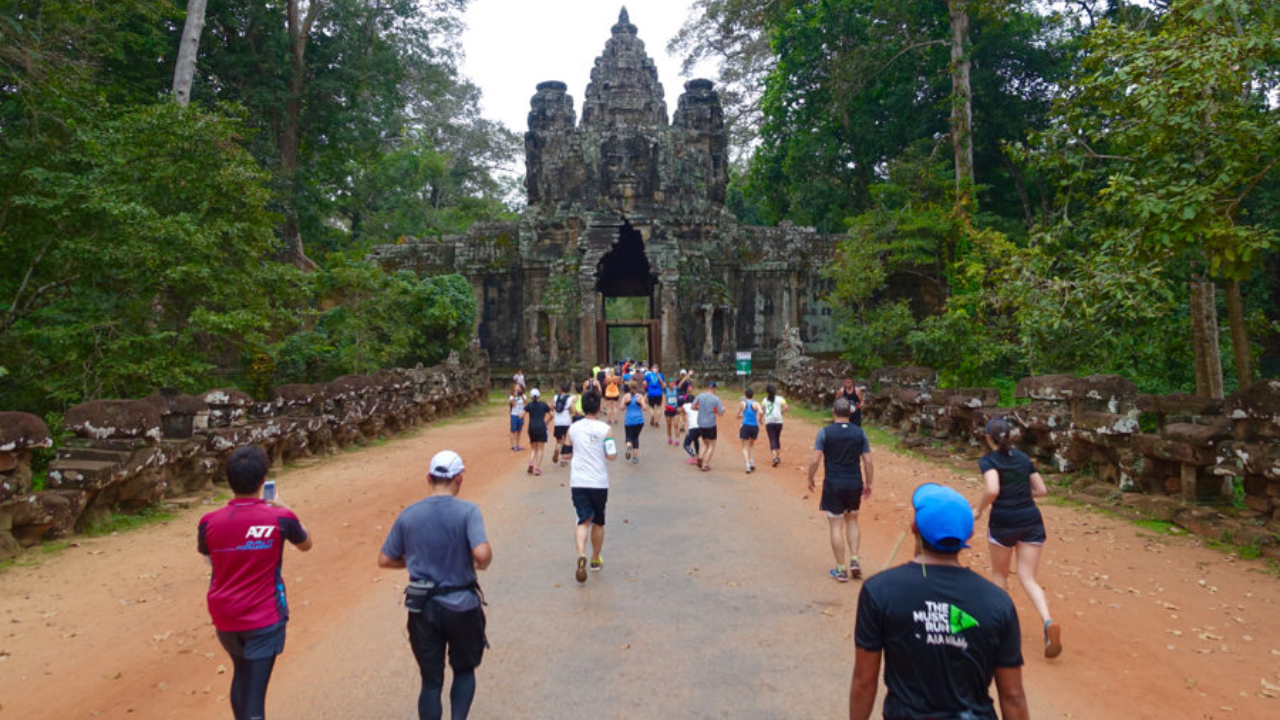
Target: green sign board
(744, 363)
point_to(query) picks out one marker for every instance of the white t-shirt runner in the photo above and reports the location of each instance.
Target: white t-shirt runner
(772, 410)
(588, 469)
(564, 418)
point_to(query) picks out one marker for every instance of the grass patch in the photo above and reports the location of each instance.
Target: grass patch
(1159, 527)
(33, 557)
(122, 522)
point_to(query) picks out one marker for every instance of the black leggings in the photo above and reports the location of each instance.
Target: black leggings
(691, 444)
(249, 687)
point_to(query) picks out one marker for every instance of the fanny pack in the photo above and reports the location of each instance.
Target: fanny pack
(419, 592)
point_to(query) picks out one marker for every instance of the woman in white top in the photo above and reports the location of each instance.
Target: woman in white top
(516, 403)
(774, 405)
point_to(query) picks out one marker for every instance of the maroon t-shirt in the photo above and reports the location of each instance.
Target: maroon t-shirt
(245, 543)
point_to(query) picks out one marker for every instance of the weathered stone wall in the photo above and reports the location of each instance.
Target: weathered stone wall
(1184, 448)
(128, 454)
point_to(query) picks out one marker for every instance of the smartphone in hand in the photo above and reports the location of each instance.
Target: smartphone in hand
(269, 490)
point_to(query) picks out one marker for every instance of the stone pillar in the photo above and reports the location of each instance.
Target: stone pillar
(477, 293)
(554, 351)
(589, 310)
(708, 346)
(728, 339)
(670, 341)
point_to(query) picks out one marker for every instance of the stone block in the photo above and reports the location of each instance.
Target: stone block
(227, 407)
(114, 419)
(1260, 459)
(1179, 404)
(22, 431)
(1105, 423)
(1043, 416)
(973, 398)
(1154, 446)
(1106, 393)
(1197, 434)
(1046, 387)
(40, 516)
(1256, 410)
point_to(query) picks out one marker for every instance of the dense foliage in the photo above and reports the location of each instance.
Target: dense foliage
(142, 238)
(1121, 151)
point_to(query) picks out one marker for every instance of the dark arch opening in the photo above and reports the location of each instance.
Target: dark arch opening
(624, 271)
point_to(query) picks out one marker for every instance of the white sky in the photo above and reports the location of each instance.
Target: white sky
(512, 45)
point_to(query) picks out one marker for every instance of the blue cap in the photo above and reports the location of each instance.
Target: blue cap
(943, 517)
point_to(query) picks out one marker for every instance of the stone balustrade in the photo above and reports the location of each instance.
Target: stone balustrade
(124, 455)
(1189, 452)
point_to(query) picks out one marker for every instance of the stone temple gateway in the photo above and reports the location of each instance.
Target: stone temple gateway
(625, 242)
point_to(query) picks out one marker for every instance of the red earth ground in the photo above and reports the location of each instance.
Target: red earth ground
(1155, 626)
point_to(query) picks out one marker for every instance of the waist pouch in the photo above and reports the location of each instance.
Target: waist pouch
(419, 592)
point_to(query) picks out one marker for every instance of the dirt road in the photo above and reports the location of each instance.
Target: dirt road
(714, 602)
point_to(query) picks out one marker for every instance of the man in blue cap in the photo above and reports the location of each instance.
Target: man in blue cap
(943, 630)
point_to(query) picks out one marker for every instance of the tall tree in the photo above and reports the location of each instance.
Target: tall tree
(184, 70)
(1162, 138)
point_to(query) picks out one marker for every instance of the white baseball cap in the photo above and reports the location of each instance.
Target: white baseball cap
(446, 464)
(535, 393)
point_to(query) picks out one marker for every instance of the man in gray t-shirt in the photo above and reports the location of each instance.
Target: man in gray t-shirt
(441, 540)
(709, 407)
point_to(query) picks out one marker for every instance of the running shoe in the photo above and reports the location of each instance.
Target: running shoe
(839, 574)
(635, 459)
(537, 471)
(855, 569)
(698, 462)
(529, 470)
(691, 461)
(777, 462)
(1052, 639)
(581, 574)
(597, 564)
(628, 451)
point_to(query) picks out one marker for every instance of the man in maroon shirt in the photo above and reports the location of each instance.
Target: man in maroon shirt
(244, 542)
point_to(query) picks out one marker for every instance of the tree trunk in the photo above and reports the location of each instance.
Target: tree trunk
(184, 71)
(1204, 331)
(1239, 335)
(961, 102)
(290, 139)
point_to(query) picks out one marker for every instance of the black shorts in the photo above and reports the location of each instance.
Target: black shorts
(655, 401)
(561, 431)
(774, 431)
(707, 433)
(670, 411)
(259, 644)
(1009, 537)
(538, 435)
(633, 434)
(840, 498)
(748, 432)
(589, 504)
(437, 628)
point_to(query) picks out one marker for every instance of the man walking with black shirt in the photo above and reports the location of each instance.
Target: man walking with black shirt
(843, 449)
(943, 630)
(441, 540)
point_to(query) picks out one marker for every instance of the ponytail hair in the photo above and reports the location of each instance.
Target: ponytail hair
(999, 431)
(771, 392)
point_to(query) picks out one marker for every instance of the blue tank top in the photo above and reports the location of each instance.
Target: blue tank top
(749, 418)
(635, 411)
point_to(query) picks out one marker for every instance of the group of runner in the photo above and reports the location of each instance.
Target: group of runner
(942, 631)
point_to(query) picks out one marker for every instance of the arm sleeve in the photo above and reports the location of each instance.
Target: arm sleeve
(985, 464)
(1009, 652)
(475, 529)
(393, 547)
(202, 544)
(866, 445)
(291, 528)
(869, 634)
(817, 442)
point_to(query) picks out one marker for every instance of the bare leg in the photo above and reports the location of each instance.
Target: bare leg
(1000, 564)
(536, 454)
(746, 455)
(708, 451)
(852, 533)
(597, 540)
(580, 537)
(1028, 561)
(751, 452)
(838, 543)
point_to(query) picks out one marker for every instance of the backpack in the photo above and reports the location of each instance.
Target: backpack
(561, 401)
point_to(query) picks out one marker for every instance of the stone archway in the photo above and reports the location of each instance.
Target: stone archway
(626, 282)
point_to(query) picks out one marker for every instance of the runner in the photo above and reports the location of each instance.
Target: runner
(943, 630)
(538, 413)
(516, 402)
(611, 396)
(589, 482)
(774, 406)
(749, 412)
(518, 379)
(671, 409)
(709, 407)
(686, 382)
(841, 446)
(565, 401)
(853, 394)
(244, 544)
(633, 422)
(1016, 525)
(441, 540)
(653, 383)
(690, 444)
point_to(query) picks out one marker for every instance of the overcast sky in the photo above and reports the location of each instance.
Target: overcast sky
(512, 45)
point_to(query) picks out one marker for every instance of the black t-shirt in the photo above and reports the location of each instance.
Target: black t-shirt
(1013, 508)
(537, 415)
(843, 445)
(943, 631)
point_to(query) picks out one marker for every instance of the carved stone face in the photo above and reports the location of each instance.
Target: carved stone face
(627, 169)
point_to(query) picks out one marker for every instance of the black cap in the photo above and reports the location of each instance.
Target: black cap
(711, 384)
